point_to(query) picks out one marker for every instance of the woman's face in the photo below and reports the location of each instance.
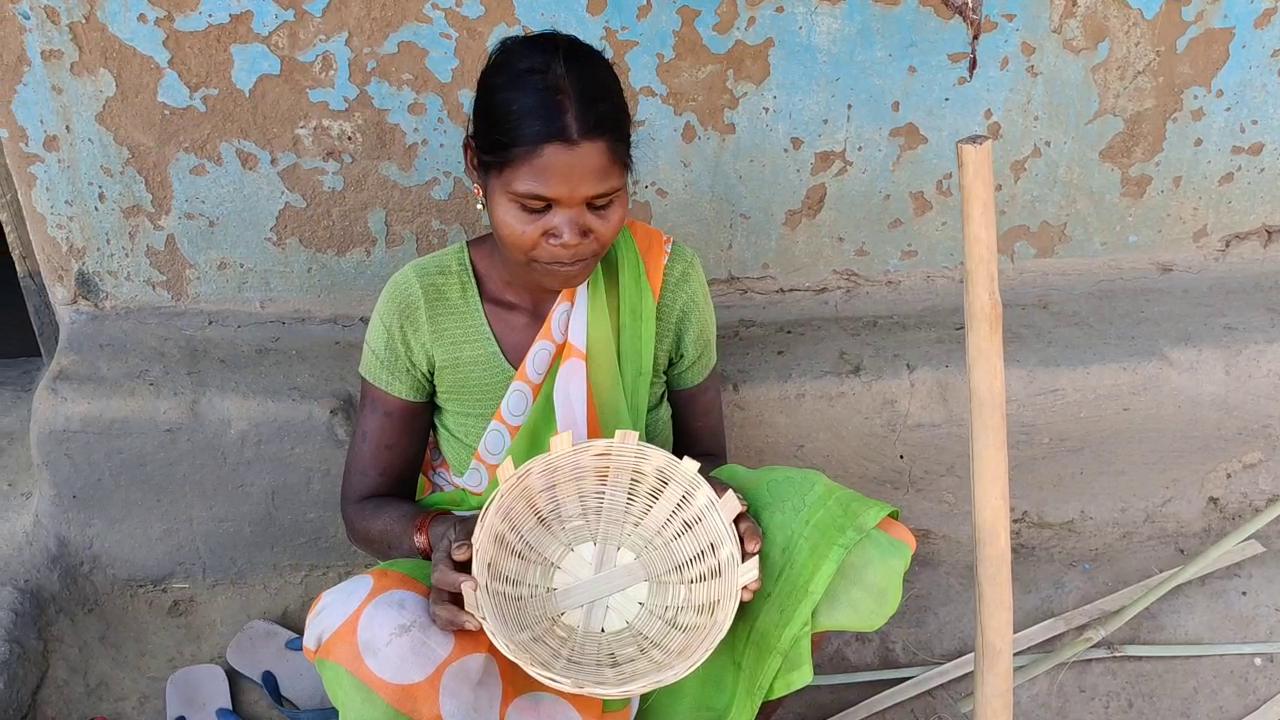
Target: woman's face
(555, 214)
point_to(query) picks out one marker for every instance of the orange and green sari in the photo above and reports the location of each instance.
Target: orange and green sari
(833, 559)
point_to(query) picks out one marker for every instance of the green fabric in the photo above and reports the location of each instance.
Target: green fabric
(862, 596)
(415, 568)
(602, 367)
(863, 602)
(352, 698)
(811, 527)
(636, 330)
(429, 341)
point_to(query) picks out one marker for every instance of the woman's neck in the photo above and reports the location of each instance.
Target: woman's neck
(501, 280)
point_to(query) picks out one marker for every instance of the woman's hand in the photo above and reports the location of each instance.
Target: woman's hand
(748, 533)
(450, 557)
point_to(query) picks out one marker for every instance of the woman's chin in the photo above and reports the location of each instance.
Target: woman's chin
(558, 277)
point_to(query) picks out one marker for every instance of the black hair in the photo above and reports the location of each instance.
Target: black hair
(542, 88)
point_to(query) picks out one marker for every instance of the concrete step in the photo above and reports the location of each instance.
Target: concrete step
(181, 445)
(1139, 404)
(171, 445)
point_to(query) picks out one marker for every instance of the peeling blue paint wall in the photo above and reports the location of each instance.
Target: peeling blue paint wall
(287, 154)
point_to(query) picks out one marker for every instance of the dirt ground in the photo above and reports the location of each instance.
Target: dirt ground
(111, 652)
(109, 649)
(17, 383)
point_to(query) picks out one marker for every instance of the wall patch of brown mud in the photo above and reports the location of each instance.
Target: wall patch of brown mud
(704, 83)
(1143, 80)
(1044, 240)
(815, 198)
(174, 267)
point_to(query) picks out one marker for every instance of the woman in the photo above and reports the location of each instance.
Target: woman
(566, 317)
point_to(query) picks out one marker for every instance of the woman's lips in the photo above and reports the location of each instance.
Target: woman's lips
(567, 266)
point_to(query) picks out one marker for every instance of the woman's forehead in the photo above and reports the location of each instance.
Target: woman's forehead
(587, 168)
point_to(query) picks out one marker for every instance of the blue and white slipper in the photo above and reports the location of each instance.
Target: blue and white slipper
(198, 692)
(271, 656)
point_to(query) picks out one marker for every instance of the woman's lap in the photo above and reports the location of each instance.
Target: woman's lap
(372, 639)
(382, 658)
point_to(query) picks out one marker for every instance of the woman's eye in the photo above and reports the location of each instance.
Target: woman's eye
(600, 207)
(536, 209)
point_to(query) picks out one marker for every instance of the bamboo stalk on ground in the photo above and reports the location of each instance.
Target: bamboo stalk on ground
(1270, 711)
(1099, 653)
(988, 432)
(1095, 633)
(1036, 634)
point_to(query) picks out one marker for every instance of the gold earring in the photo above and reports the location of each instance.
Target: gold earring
(479, 192)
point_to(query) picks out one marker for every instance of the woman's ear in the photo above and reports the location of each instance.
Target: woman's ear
(469, 156)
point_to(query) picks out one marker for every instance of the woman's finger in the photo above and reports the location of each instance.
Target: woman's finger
(446, 583)
(748, 595)
(749, 532)
(448, 616)
(445, 577)
(461, 551)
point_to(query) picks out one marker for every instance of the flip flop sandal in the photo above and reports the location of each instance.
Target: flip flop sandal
(271, 656)
(198, 692)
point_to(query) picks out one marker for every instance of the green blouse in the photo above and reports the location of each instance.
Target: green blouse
(429, 341)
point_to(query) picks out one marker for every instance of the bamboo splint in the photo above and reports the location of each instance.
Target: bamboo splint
(1096, 632)
(1269, 711)
(1106, 652)
(1037, 634)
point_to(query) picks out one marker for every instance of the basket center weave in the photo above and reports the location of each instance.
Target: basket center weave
(620, 608)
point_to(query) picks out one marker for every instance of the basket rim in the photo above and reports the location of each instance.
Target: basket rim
(712, 630)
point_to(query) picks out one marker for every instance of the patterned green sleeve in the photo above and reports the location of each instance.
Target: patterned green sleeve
(685, 304)
(397, 357)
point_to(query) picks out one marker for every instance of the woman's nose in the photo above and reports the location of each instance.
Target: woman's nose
(570, 229)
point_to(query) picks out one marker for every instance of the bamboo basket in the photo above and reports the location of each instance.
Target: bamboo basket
(608, 568)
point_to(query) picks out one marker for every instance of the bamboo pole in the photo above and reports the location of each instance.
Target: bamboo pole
(988, 433)
(1095, 633)
(1037, 634)
(1098, 653)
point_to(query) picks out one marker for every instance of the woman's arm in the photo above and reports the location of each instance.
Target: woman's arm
(697, 419)
(378, 508)
(381, 475)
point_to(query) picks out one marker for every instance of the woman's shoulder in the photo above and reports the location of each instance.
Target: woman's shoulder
(447, 264)
(683, 280)
(683, 261)
(439, 274)
(684, 283)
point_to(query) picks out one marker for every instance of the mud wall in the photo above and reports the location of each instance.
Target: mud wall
(290, 154)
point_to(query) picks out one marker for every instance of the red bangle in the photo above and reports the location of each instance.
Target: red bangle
(422, 533)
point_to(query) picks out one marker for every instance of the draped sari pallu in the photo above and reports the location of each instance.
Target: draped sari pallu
(833, 560)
